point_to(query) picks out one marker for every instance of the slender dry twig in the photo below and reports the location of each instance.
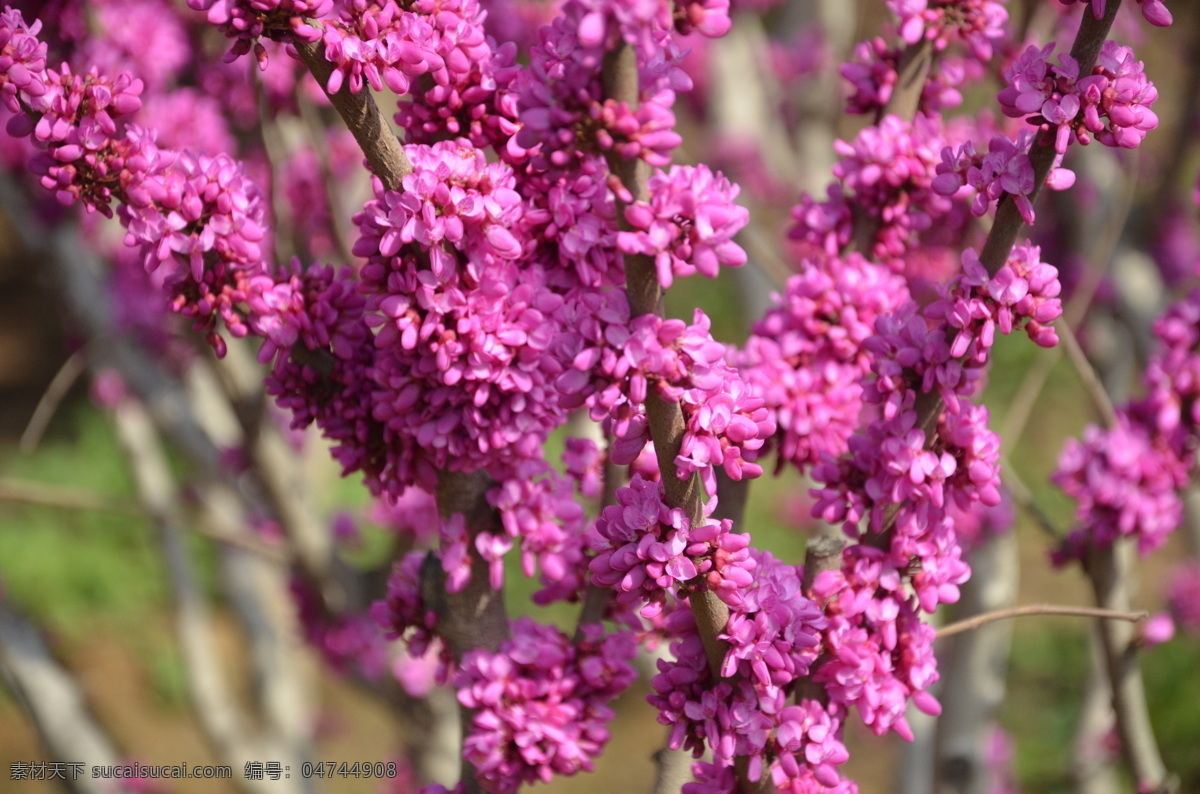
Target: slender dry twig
(1038, 609)
(1087, 373)
(1022, 496)
(50, 495)
(62, 382)
(1107, 568)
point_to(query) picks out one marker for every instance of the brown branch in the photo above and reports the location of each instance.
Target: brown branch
(665, 418)
(1009, 223)
(1107, 569)
(1038, 609)
(911, 73)
(363, 118)
(474, 617)
(220, 716)
(54, 701)
(49, 495)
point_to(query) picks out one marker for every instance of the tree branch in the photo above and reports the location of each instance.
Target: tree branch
(363, 118)
(1107, 569)
(665, 418)
(1039, 609)
(53, 700)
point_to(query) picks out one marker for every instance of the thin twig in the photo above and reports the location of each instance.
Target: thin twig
(51, 495)
(1024, 499)
(1038, 609)
(1087, 373)
(474, 617)
(47, 406)
(62, 496)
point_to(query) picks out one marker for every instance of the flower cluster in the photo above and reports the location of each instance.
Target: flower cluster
(1005, 169)
(560, 96)
(1022, 295)
(895, 491)
(1183, 597)
(470, 93)
(645, 550)
(884, 182)
(979, 23)
(1126, 479)
(1113, 103)
(688, 225)
(196, 220)
(772, 636)
(540, 703)
(806, 359)
(246, 21)
(880, 653)
(377, 44)
(463, 329)
(203, 222)
(617, 362)
(404, 613)
(316, 338)
(1155, 11)
(538, 510)
(874, 69)
(1123, 486)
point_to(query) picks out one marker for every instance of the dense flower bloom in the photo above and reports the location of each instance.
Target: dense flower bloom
(1126, 479)
(1123, 487)
(977, 22)
(647, 550)
(463, 329)
(886, 175)
(540, 704)
(1113, 103)
(773, 642)
(688, 224)
(1005, 169)
(245, 21)
(806, 356)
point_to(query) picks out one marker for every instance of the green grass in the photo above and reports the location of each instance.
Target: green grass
(66, 566)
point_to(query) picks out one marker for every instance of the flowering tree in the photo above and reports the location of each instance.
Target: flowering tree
(502, 277)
